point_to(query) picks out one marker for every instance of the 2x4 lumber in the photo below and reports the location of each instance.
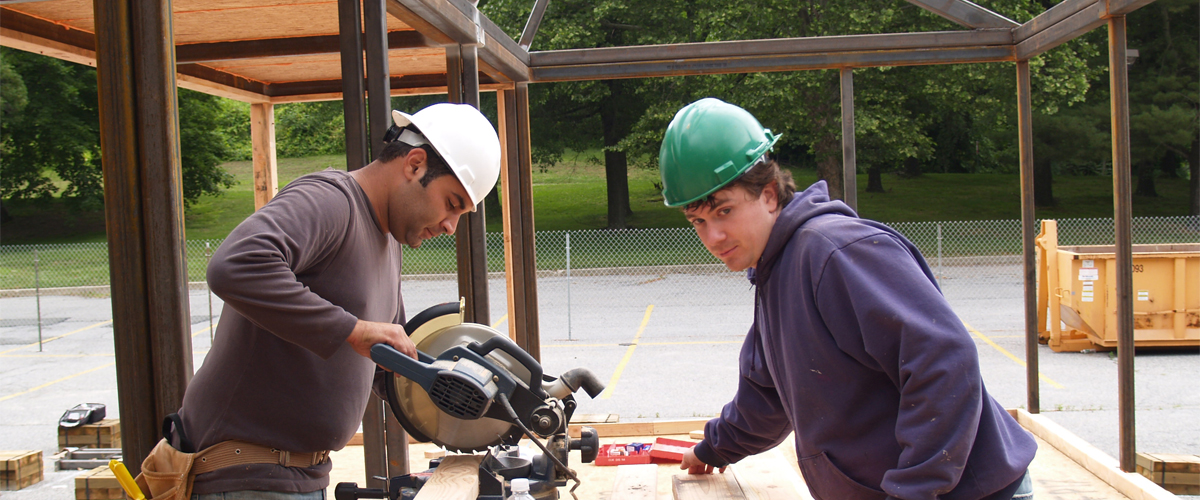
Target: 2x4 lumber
(772, 63)
(706, 487)
(139, 138)
(1025, 147)
(654, 428)
(457, 478)
(636, 482)
(1133, 485)
(965, 13)
(781, 46)
(280, 47)
(263, 153)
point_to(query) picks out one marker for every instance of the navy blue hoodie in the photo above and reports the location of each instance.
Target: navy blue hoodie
(854, 347)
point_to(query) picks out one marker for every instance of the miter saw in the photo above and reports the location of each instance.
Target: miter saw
(481, 392)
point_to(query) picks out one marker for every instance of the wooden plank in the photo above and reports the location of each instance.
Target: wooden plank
(457, 478)
(262, 152)
(779, 46)
(1106, 468)
(595, 418)
(635, 482)
(769, 476)
(656, 428)
(797, 62)
(965, 13)
(706, 487)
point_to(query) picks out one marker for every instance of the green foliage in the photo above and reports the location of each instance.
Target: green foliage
(202, 145)
(309, 129)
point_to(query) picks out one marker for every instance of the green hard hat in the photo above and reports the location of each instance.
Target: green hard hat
(708, 144)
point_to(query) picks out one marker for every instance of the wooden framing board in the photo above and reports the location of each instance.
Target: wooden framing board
(457, 478)
(635, 482)
(262, 153)
(1106, 468)
(654, 428)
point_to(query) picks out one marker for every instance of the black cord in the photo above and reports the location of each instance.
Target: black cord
(517, 420)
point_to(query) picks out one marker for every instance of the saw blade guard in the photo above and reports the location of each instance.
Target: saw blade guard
(463, 388)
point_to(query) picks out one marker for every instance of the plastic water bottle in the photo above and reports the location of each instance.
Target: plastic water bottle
(520, 489)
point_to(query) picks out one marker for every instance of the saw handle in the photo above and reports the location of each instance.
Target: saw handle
(399, 363)
(514, 350)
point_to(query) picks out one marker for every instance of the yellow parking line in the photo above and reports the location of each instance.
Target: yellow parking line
(1004, 351)
(206, 329)
(694, 342)
(44, 355)
(500, 321)
(56, 338)
(48, 384)
(612, 384)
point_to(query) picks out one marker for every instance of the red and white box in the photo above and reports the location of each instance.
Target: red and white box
(669, 450)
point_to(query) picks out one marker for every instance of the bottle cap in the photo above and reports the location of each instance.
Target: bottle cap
(520, 485)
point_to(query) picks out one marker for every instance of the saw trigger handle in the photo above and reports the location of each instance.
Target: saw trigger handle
(510, 347)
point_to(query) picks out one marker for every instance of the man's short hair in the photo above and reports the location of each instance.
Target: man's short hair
(766, 171)
(435, 166)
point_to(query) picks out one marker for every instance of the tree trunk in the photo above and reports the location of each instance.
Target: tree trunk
(875, 179)
(1194, 180)
(616, 125)
(6, 217)
(1145, 173)
(912, 168)
(1043, 183)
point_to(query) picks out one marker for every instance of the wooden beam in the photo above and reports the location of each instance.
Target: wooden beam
(1028, 232)
(139, 138)
(24, 23)
(262, 152)
(706, 487)
(781, 46)
(965, 13)
(281, 47)
(772, 63)
(531, 26)
(849, 159)
(211, 81)
(520, 257)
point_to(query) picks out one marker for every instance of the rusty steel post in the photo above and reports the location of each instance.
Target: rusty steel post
(1118, 78)
(1028, 219)
(849, 160)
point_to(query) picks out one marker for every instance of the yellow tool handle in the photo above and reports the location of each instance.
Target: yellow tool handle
(127, 483)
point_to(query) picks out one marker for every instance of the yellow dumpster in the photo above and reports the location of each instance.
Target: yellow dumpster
(1077, 307)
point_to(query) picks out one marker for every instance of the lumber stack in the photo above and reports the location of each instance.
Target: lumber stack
(19, 469)
(98, 484)
(1178, 474)
(103, 434)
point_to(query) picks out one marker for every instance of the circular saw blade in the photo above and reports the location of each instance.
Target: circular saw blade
(434, 333)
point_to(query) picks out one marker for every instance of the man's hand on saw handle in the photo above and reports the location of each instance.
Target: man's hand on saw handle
(369, 333)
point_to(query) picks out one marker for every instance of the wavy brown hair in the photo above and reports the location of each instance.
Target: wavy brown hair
(766, 171)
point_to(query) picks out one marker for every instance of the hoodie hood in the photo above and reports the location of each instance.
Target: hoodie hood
(805, 205)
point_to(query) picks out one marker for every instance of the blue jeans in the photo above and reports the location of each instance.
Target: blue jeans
(261, 495)
(1025, 490)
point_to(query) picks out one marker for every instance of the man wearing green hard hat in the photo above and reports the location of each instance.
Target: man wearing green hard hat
(853, 347)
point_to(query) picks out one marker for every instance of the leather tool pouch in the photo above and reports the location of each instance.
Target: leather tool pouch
(167, 472)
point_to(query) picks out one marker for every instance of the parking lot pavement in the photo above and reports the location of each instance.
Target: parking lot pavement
(666, 346)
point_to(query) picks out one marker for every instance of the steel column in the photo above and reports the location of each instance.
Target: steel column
(462, 82)
(350, 37)
(849, 160)
(520, 257)
(139, 137)
(1118, 78)
(1028, 230)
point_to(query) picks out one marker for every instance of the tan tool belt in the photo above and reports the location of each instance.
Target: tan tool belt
(229, 453)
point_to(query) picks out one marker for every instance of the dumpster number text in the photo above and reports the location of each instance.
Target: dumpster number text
(1137, 268)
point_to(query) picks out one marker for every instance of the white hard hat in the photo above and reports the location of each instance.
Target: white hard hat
(463, 137)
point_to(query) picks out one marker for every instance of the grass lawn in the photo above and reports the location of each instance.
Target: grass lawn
(572, 196)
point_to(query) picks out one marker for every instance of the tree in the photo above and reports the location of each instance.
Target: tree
(202, 146)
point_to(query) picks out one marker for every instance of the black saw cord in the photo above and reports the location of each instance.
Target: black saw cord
(517, 420)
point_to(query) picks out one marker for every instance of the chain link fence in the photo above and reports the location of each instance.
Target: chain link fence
(971, 259)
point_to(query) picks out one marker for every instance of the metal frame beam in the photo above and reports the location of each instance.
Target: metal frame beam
(520, 256)
(453, 22)
(1028, 230)
(353, 83)
(790, 62)
(1123, 234)
(462, 82)
(143, 207)
(531, 26)
(965, 13)
(1067, 20)
(849, 158)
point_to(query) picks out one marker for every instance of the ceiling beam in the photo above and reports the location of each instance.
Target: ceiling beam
(1067, 20)
(782, 46)
(277, 47)
(1050, 17)
(399, 86)
(19, 21)
(778, 62)
(965, 13)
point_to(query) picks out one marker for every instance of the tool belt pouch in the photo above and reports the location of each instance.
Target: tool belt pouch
(167, 473)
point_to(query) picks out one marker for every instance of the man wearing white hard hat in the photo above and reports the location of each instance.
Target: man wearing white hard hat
(310, 282)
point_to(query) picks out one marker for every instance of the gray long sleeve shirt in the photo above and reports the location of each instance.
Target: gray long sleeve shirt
(295, 277)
